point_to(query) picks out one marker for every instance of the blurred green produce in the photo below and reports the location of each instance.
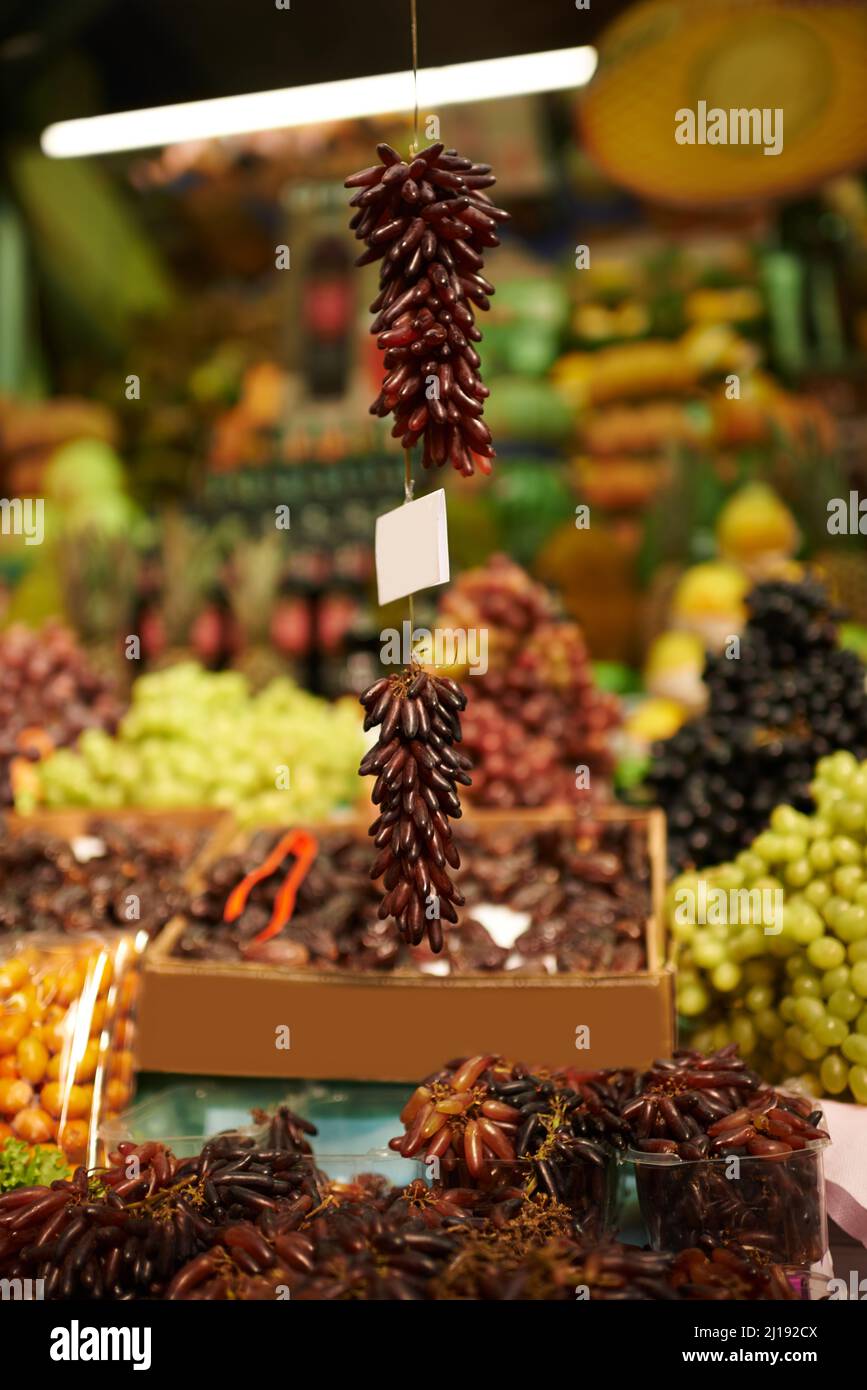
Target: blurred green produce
(521, 407)
(196, 738)
(530, 497)
(855, 636)
(617, 677)
(777, 959)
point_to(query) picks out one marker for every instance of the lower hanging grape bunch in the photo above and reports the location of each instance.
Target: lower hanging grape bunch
(418, 772)
(429, 220)
(789, 697)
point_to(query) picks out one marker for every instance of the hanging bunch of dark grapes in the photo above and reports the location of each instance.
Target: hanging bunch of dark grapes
(429, 220)
(417, 772)
(787, 696)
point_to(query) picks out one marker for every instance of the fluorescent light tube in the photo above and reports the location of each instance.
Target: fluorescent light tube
(555, 70)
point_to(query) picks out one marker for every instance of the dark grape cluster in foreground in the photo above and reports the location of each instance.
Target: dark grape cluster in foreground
(252, 1216)
(429, 221)
(790, 697)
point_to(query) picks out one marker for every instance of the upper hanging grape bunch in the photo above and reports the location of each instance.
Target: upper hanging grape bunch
(430, 220)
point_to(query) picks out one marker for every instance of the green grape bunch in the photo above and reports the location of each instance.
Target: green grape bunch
(790, 990)
(195, 738)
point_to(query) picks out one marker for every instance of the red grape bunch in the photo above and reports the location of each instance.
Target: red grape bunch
(417, 774)
(535, 715)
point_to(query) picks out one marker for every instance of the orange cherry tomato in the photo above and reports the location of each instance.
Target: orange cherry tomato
(12, 1029)
(120, 1066)
(13, 973)
(55, 1032)
(70, 986)
(34, 1125)
(14, 1095)
(128, 992)
(97, 1018)
(32, 1055)
(79, 1100)
(84, 1068)
(24, 1001)
(117, 1094)
(51, 1097)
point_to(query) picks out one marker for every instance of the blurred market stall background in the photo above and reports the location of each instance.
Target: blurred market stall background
(249, 385)
(676, 365)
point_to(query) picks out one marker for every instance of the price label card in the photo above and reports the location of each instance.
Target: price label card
(412, 548)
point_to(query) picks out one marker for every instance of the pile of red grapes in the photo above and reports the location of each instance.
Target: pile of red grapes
(535, 719)
(47, 685)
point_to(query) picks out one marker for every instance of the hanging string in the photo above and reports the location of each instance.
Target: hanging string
(413, 23)
(413, 149)
(407, 497)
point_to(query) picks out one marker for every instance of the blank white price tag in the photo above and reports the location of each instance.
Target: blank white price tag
(412, 548)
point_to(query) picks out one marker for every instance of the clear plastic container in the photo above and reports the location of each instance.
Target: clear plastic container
(347, 1147)
(810, 1285)
(347, 1171)
(774, 1204)
(355, 1124)
(351, 1119)
(586, 1187)
(67, 1006)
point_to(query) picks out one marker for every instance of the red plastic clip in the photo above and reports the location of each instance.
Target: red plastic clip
(305, 847)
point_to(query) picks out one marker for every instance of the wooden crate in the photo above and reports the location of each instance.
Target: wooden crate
(223, 1018)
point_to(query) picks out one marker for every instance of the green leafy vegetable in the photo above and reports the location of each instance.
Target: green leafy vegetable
(23, 1165)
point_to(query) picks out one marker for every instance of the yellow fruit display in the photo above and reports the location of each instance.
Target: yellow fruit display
(654, 719)
(756, 529)
(709, 601)
(673, 671)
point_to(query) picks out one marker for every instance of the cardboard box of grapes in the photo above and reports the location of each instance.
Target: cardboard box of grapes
(262, 1017)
